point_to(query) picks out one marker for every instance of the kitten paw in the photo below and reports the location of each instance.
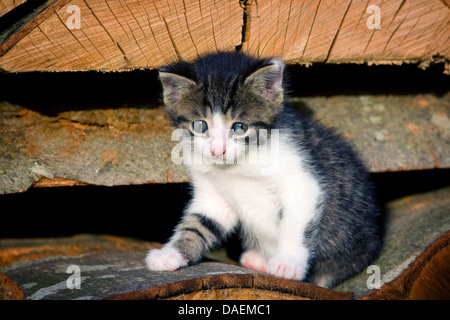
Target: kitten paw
(165, 259)
(253, 260)
(287, 267)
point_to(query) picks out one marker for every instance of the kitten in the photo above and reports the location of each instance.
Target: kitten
(311, 217)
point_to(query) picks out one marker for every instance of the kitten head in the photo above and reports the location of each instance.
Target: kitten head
(223, 99)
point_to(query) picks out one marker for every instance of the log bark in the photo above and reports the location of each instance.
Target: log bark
(75, 35)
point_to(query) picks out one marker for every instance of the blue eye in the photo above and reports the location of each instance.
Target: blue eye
(239, 128)
(199, 126)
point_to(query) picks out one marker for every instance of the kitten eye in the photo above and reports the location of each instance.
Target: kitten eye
(239, 128)
(199, 126)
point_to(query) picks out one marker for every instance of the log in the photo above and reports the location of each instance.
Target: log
(318, 31)
(125, 146)
(8, 5)
(118, 35)
(413, 264)
(75, 35)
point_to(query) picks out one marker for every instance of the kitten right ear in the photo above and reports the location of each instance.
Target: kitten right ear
(174, 86)
(268, 81)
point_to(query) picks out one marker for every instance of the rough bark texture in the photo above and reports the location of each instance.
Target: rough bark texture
(122, 35)
(412, 224)
(133, 145)
(413, 265)
(100, 147)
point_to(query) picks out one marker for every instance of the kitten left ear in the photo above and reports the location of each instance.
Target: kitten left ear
(268, 81)
(174, 86)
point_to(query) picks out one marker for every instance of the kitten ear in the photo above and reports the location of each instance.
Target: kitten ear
(268, 81)
(174, 86)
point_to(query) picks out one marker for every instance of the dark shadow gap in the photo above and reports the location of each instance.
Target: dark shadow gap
(148, 212)
(55, 92)
(353, 79)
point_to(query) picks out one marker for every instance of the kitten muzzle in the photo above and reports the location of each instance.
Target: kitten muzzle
(217, 142)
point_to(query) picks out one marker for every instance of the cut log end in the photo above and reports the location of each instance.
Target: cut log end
(68, 35)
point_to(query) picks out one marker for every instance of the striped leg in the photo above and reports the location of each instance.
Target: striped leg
(194, 236)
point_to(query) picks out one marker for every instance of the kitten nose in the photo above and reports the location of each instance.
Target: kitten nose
(217, 152)
(217, 146)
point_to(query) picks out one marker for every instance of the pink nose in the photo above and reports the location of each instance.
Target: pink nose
(217, 146)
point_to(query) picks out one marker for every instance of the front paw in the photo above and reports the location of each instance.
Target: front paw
(165, 259)
(287, 267)
(254, 260)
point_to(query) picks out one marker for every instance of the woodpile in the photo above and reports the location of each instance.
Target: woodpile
(412, 265)
(79, 143)
(123, 146)
(116, 35)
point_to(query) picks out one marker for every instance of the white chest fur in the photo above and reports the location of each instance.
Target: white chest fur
(257, 204)
(258, 201)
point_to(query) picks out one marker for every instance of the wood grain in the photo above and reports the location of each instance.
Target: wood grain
(137, 34)
(121, 35)
(337, 31)
(8, 5)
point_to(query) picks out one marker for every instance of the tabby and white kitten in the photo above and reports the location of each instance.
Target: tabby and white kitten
(311, 218)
